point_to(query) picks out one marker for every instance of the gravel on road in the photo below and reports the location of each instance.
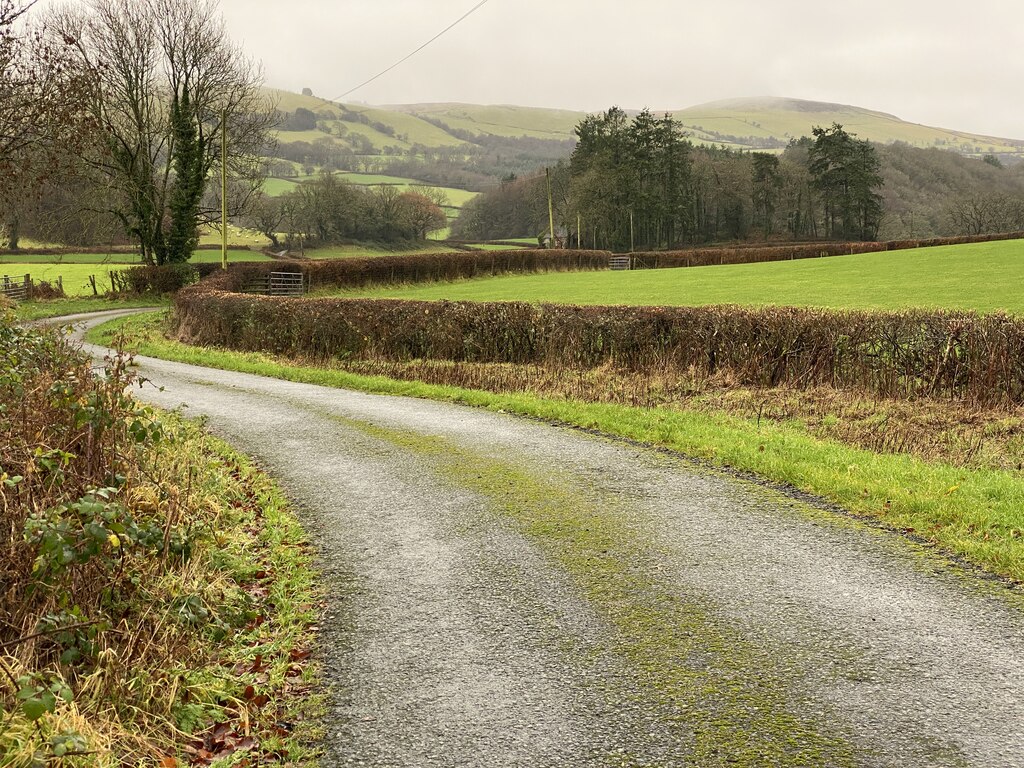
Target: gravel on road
(509, 593)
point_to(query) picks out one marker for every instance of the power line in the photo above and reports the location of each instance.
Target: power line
(447, 29)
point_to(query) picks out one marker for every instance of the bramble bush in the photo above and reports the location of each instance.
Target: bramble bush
(95, 536)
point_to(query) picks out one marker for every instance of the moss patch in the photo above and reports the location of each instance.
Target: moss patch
(720, 695)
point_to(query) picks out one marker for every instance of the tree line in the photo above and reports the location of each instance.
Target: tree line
(328, 210)
(640, 182)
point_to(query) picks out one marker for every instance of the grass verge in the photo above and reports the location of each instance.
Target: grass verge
(225, 675)
(975, 514)
(157, 595)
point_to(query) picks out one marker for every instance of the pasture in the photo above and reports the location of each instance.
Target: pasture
(75, 276)
(981, 276)
(74, 269)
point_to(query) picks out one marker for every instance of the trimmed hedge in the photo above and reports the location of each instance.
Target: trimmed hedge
(459, 265)
(893, 354)
(431, 267)
(753, 254)
(167, 278)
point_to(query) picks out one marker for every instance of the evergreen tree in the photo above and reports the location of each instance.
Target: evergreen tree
(846, 173)
(189, 184)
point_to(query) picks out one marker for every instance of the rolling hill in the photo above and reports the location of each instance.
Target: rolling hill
(751, 123)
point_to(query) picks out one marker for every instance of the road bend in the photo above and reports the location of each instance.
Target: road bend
(505, 592)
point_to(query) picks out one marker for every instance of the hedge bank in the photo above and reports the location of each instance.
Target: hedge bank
(893, 354)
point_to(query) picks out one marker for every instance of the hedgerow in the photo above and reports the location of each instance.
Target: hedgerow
(756, 254)
(432, 267)
(893, 354)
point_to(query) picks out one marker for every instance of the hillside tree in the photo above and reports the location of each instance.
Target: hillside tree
(168, 75)
(847, 174)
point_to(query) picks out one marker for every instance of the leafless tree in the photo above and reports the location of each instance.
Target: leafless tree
(266, 215)
(982, 213)
(168, 75)
(422, 214)
(41, 120)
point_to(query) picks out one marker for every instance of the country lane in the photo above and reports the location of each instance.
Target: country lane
(505, 592)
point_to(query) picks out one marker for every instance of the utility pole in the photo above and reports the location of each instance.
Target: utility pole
(632, 246)
(579, 231)
(551, 208)
(224, 189)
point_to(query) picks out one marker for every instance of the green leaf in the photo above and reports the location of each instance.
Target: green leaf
(35, 708)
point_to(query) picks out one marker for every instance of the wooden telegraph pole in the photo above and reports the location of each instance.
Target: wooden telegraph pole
(224, 189)
(551, 208)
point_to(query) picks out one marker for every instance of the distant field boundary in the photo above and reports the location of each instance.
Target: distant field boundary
(441, 266)
(427, 267)
(755, 254)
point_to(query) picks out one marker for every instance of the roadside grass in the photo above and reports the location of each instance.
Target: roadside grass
(979, 276)
(129, 652)
(972, 513)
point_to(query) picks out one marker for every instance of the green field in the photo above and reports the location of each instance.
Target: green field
(75, 276)
(119, 257)
(456, 197)
(984, 277)
(75, 269)
(365, 251)
(276, 187)
(238, 237)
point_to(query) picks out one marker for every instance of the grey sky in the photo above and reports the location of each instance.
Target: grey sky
(952, 64)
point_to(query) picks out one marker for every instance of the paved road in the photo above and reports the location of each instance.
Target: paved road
(508, 593)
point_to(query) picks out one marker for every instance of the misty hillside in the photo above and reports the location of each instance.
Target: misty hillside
(755, 123)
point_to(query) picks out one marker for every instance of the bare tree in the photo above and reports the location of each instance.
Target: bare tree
(168, 77)
(266, 215)
(983, 213)
(41, 121)
(422, 214)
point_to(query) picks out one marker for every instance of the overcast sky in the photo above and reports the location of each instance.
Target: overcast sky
(950, 64)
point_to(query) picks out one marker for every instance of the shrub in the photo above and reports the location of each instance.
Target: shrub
(41, 290)
(168, 278)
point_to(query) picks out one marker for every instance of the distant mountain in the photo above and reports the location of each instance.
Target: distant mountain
(753, 123)
(774, 121)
